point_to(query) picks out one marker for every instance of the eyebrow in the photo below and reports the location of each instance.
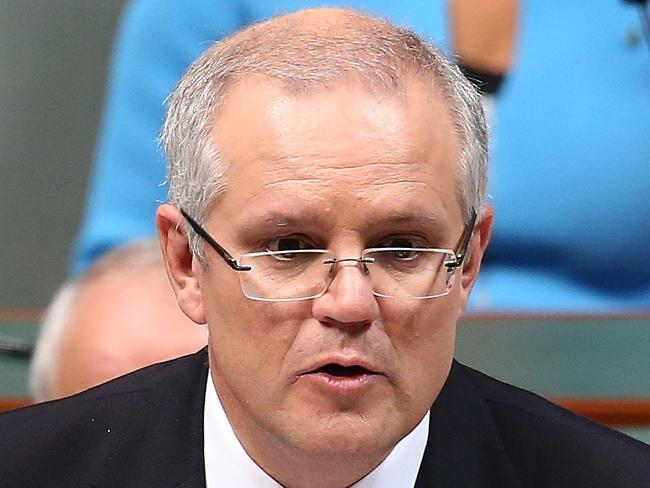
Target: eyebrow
(428, 221)
(280, 219)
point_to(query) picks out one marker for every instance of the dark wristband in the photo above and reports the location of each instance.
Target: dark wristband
(487, 83)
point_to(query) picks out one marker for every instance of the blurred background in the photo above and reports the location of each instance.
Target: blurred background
(53, 63)
(563, 306)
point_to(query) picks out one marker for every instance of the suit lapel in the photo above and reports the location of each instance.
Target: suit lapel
(169, 424)
(181, 457)
(464, 447)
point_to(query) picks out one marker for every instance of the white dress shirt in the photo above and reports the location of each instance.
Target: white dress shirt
(228, 465)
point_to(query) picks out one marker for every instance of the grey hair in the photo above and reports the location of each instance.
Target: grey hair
(44, 366)
(304, 57)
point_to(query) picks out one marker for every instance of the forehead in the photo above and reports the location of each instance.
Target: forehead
(343, 146)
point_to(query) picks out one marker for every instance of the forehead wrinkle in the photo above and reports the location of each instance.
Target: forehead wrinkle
(378, 168)
(273, 184)
(290, 181)
(315, 188)
(380, 182)
(292, 167)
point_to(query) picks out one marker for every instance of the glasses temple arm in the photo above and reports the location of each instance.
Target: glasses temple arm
(464, 241)
(227, 257)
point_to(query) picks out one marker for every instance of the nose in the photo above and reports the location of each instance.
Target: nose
(349, 299)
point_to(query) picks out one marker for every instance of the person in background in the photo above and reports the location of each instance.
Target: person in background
(119, 316)
(483, 36)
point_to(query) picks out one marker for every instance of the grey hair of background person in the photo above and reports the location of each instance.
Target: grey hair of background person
(363, 48)
(135, 255)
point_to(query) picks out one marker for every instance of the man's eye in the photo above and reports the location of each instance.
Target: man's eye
(402, 241)
(284, 249)
(405, 243)
(404, 255)
(288, 244)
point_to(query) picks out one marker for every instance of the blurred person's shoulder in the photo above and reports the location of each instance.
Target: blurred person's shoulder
(551, 446)
(118, 426)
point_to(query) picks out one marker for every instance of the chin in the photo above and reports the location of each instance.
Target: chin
(338, 436)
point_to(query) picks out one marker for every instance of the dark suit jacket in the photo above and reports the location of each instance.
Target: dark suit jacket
(146, 430)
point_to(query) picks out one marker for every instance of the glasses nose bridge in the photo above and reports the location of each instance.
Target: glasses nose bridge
(355, 262)
(360, 263)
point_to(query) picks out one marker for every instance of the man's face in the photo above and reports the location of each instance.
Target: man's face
(343, 169)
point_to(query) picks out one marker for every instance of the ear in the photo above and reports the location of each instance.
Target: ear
(182, 269)
(472, 262)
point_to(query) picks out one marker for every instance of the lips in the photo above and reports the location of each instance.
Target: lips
(342, 377)
(339, 366)
(338, 370)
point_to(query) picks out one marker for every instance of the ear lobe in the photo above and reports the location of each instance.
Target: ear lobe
(179, 262)
(477, 247)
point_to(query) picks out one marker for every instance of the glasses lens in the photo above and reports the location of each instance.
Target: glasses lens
(285, 275)
(409, 272)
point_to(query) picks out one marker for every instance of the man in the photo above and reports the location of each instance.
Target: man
(98, 328)
(327, 173)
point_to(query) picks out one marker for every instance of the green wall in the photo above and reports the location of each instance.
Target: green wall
(53, 61)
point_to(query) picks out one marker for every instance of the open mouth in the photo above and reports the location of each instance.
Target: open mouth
(337, 379)
(336, 370)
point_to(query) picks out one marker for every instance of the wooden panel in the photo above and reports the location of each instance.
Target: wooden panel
(13, 315)
(11, 403)
(616, 412)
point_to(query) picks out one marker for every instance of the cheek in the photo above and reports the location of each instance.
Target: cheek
(423, 336)
(420, 324)
(250, 339)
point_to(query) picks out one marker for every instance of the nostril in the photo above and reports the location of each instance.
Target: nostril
(353, 327)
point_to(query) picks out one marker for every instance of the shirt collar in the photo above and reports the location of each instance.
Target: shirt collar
(228, 464)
